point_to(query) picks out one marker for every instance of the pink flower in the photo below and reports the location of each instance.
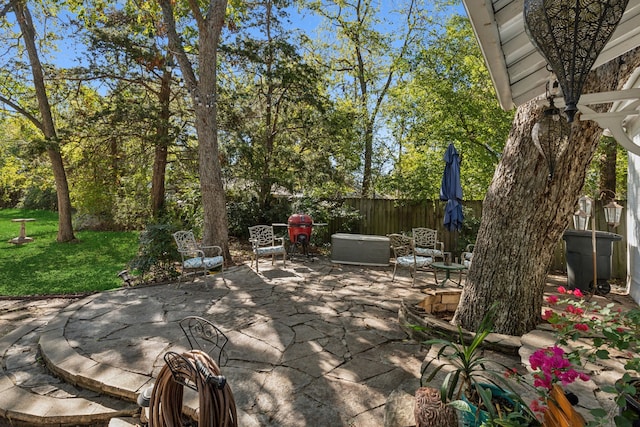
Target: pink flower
(510, 373)
(538, 405)
(553, 367)
(547, 314)
(542, 381)
(581, 327)
(562, 290)
(552, 299)
(578, 293)
(574, 310)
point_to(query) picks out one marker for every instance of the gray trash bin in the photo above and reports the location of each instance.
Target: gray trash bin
(579, 255)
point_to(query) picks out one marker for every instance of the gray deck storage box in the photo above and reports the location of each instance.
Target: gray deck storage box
(360, 249)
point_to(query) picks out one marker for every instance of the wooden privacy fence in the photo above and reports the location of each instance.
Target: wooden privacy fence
(385, 216)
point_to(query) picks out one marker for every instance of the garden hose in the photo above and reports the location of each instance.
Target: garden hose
(217, 407)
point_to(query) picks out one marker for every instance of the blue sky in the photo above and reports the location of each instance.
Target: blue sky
(70, 51)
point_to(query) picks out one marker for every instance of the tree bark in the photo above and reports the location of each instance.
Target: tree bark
(204, 96)
(47, 126)
(161, 148)
(607, 165)
(525, 214)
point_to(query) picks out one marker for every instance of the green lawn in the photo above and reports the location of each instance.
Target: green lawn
(46, 267)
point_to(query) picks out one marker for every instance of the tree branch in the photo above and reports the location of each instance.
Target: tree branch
(5, 9)
(33, 119)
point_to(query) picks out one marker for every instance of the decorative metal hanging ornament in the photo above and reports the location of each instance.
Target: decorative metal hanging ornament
(551, 135)
(570, 34)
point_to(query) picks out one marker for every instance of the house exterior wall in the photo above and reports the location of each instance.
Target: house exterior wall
(633, 219)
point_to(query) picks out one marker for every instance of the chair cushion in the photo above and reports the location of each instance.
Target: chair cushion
(428, 252)
(209, 262)
(407, 261)
(270, 250)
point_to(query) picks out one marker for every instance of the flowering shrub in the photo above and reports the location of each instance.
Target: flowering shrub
(594, 331)
(577, 317)
(574, 317)
(553, 366)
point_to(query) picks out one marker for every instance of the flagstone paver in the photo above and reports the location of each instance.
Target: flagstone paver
(311, 344)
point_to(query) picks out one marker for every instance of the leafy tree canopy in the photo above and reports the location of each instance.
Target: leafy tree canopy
(447, 97)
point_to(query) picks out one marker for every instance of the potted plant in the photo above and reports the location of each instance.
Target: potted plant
(474, 384)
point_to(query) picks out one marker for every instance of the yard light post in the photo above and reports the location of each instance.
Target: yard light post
(570, 34)
(127, 279)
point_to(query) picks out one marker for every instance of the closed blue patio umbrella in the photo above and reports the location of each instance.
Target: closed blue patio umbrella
(451, 190)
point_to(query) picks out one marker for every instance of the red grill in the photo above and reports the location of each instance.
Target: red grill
(300, 227)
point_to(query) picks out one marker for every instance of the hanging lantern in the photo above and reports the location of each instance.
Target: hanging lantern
(570, 34)
(585, 203)
(583, 214)
(551, 135)
(580, 220)
(612, 213)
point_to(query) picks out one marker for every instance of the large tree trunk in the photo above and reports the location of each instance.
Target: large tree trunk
(608, 162)
(203, 92)
(161, 148)
(213, 197)
(65, 227)
(525, 214)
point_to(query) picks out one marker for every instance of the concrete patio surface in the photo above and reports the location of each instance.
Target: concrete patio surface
(311, 344)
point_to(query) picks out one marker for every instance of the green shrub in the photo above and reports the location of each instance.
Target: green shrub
(185, 210)
(469, 231)
(157, 253)
(241, 214)
(39, 198)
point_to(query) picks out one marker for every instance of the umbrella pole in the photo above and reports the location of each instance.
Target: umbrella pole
(455, 243)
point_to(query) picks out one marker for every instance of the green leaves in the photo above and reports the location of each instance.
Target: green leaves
(446, 96)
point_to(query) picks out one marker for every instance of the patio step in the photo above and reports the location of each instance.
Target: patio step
(124, 422)
(32, 396)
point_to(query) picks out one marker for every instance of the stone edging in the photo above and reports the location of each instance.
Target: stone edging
(63, 360)
(24, 408)
(79, 370)
(421, 327)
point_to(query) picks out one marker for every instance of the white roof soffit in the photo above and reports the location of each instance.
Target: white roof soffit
(519, 72)
(517, 69)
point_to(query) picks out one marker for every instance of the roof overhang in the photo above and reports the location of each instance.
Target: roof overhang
(519, 72)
